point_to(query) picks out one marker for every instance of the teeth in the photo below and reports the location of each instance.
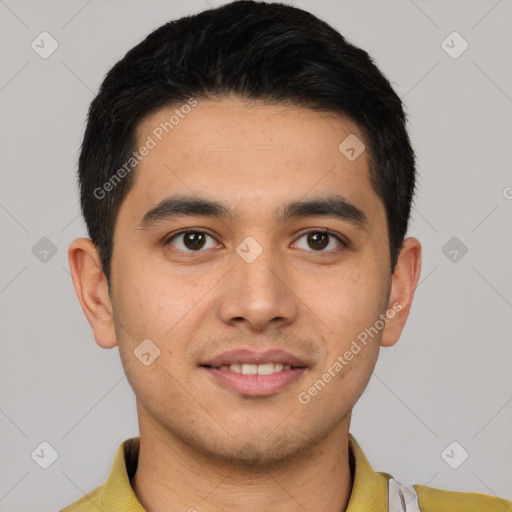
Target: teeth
(256, 369)
(266, 369)
(249, 369)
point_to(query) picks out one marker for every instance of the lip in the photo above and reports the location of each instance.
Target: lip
(255, 385)
(254, 357)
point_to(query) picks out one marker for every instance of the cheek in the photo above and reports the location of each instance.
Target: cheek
(159, 301)
(351, 299)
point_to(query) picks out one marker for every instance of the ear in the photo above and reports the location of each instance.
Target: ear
(403, 285)
(92, 290)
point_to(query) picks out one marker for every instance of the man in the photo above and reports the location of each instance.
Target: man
(246, 179)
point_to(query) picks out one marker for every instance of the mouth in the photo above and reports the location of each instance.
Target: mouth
(254, 369)
(252, 373)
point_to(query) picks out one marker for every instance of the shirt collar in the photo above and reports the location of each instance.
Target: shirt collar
(369, 488)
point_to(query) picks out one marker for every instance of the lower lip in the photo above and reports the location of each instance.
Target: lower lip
(256, 385)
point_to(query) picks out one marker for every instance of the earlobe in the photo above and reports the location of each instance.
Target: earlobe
(403, 285)
(92, 290)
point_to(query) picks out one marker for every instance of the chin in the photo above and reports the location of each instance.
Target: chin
(256, 457)
(255, 451)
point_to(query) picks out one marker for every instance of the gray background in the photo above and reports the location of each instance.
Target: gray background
(450, 376)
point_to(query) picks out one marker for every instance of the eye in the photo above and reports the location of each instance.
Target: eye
(321, 239)
(191, 240)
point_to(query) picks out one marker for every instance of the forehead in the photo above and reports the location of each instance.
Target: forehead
(232, 151)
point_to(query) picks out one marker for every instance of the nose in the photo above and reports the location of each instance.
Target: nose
(258, 293)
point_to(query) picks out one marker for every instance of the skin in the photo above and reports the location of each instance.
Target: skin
(202, 445)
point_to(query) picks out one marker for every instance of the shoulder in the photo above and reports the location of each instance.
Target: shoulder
(88, 503)
(437, 500)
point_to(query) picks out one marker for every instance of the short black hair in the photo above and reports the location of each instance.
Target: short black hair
(258, 51)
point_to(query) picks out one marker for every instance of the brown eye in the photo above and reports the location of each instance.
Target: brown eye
(317, 241)
(191, 241)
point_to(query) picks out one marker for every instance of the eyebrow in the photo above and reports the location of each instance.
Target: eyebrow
(181, 205)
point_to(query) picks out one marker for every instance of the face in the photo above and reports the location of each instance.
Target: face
(255, 285)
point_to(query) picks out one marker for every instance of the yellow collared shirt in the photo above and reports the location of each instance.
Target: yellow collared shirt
(371, 491)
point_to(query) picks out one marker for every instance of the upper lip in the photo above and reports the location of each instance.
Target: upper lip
(253, 357)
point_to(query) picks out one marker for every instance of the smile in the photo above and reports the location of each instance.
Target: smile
(256, 369)
(257, 380)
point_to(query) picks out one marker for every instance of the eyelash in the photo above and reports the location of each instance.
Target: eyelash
(342, 241)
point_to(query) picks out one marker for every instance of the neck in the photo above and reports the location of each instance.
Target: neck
(172, 477)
